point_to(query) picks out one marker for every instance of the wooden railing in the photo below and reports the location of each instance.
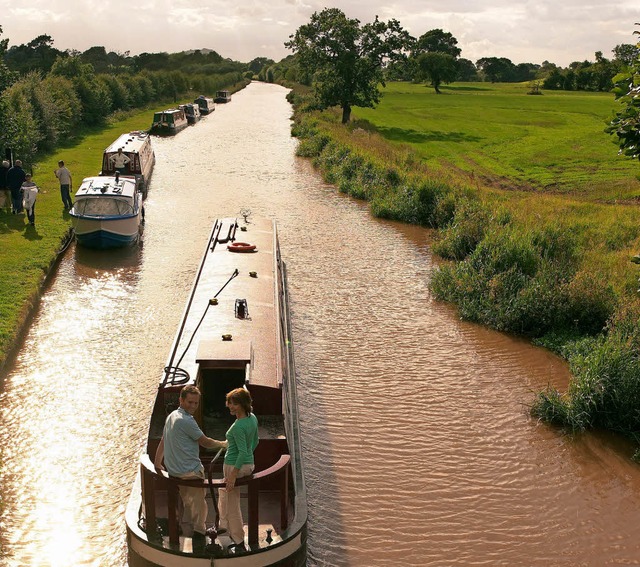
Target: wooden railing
(154, 479)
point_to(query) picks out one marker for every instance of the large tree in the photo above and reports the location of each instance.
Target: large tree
(346, 59)
(437, 41)
(437, 68)
(626, 124)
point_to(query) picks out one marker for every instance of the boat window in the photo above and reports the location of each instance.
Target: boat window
(103, 206)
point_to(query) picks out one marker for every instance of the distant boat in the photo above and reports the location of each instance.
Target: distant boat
(222, 97)
(191, 111)
(137, 147)
(107, 212)
(244, 342)
(169, 121)
(206, 104)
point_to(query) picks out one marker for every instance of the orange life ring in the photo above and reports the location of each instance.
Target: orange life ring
(241, 247)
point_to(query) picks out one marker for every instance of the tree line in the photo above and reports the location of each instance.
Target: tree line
(46, 94)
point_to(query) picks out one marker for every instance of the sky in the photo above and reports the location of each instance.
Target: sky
(524, 31)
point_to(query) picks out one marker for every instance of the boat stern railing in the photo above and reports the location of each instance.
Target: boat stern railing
(155, 480)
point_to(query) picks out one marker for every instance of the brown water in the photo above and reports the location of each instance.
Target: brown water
(418, 446)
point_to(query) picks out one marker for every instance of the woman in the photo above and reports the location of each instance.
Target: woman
(242, 439)
(29, 194)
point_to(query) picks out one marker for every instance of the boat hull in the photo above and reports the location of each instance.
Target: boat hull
(164, 130)
(103, 234)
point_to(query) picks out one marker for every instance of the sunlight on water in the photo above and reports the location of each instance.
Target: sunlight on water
(418, 446)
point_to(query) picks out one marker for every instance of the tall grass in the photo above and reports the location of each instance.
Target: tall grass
(533, 210)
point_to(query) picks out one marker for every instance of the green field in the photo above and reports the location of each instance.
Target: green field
(509, 139)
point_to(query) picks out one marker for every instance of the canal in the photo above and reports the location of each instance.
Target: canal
(418, 446)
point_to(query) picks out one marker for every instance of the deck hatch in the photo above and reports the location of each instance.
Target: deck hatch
(215, 353)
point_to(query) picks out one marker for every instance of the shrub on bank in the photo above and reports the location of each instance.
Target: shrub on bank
(538, 281)
(605, 390)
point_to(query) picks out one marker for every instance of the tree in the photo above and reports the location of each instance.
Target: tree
(626, 53)
(437, 67)
(6, 76)
(347, 59)
(626, 123)
(466, 70)
(496, 69)
(259, 63)
(437, 41)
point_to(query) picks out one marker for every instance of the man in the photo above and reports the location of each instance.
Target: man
(179, 446)
(15, 179)
(64, 176)
(119, 161)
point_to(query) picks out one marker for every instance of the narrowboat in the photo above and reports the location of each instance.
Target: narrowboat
(206, 104)
(234, 333)
(222, 97)
(108, 212)
(169, 122)
(192, 112)
(137, 147)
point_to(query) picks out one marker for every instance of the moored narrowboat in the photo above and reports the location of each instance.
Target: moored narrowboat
(206, 104)
(235, 333)
(222, 97)
(169, 122)
(136, 146)
(108, 212)
(192, 112)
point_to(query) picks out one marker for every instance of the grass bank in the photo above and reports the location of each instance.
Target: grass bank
(533, 210)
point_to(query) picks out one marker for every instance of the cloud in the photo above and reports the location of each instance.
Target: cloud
(521, 30)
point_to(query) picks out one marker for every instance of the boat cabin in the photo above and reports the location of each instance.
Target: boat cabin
(223, 96)
(206, 104)
(137, 147)
(191, 111)
(169, 121)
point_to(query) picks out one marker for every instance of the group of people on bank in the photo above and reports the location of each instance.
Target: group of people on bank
(19, 191)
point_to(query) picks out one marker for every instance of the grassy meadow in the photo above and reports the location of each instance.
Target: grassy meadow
(534, 211)
(509, 139)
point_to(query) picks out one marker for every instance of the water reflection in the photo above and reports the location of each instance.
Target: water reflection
(418, 446)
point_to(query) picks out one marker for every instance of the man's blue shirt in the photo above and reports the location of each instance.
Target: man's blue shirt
(181, 449)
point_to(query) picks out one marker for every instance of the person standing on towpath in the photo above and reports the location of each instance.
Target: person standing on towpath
(64, 176)
(29, 194)
(15, 179)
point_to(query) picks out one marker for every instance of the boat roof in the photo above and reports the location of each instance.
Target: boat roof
(131, 142)
(108, 186)
(254, 338)
(169, 111)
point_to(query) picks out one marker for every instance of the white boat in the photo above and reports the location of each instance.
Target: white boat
(222, 97)
(192, 112)
(108, 212)
(137, 147)
(234, 333)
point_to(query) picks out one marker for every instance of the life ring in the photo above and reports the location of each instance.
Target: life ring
(241, 247)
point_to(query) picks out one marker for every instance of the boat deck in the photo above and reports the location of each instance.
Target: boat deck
(253, 336)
